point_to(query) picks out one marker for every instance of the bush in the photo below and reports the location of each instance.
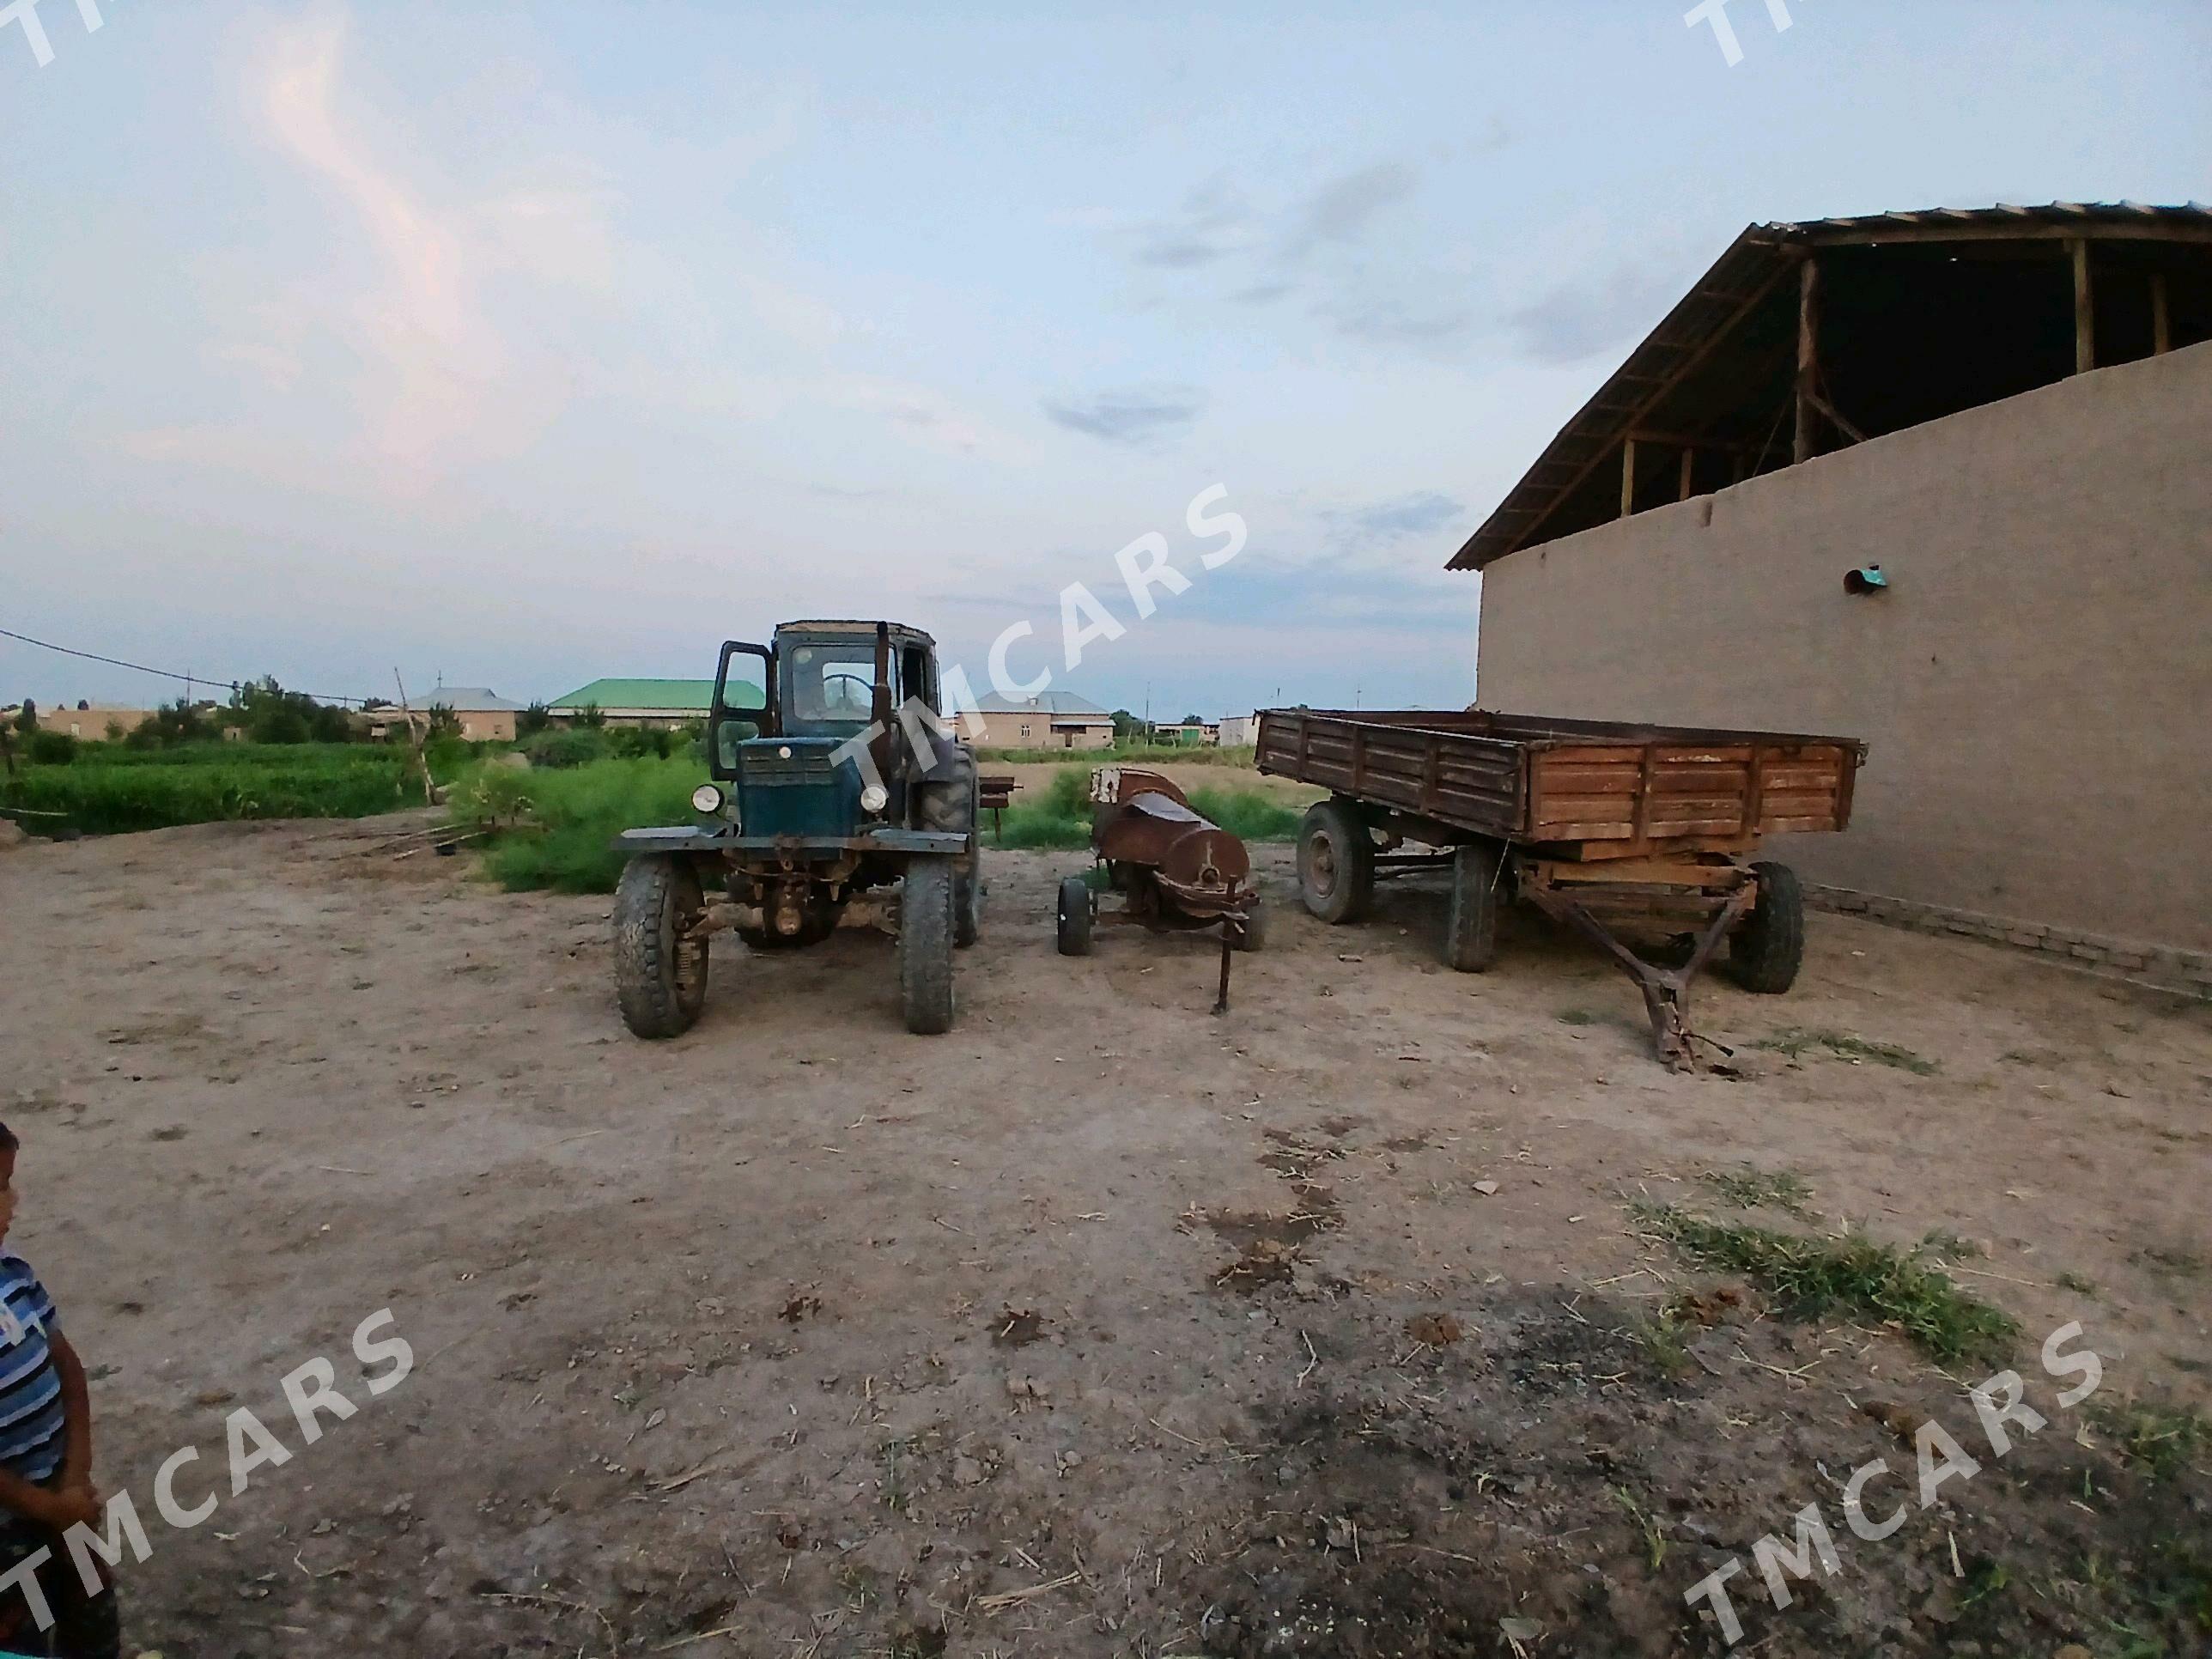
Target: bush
(557, 828)
(45, 748)
(559, 749)
(1059, 815)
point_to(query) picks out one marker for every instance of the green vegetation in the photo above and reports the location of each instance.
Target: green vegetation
(556, 827)
(1807, 1277)
(1749, 1189)
(1796, 1041)
(1128, 753)
(108, 789)
(1058, 816)
(2162, 1440)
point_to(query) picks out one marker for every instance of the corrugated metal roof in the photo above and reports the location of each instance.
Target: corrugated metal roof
(469, 700)
(672, 697)
(1057, 704)
(1743, 276)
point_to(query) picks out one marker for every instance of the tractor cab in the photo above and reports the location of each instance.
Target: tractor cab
(821, 685)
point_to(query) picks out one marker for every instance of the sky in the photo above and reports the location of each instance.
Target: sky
(519, 345)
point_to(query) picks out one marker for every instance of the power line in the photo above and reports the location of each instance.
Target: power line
(162, 673)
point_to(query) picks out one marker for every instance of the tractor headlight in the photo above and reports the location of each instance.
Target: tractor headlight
(874, 798)
(706, 799)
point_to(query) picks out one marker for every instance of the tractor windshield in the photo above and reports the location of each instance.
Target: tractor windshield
(829, 686)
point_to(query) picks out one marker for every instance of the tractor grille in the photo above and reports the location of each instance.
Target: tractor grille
(770, 770)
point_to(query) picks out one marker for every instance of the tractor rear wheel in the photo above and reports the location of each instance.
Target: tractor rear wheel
(1768, 946)
(925, 944)
(1336, 861)
(1074, 917)
(660, 972)
(951, 804)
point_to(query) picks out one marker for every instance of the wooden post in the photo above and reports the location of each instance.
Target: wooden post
(1689, 461)
(2084, 309)
(1627, 476)
(2161, 318)
(1808, 329)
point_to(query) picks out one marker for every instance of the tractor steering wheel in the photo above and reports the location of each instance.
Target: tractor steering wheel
(861, 695)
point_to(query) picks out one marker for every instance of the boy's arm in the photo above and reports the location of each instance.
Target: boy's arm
(34, 1503)
(76, 1414)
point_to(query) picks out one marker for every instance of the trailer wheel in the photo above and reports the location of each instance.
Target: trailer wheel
(1074, 917)
(1766, 950)
(925, 945)
(1336, 861)
(1471, 913)
(661, 976)
(1253, 936)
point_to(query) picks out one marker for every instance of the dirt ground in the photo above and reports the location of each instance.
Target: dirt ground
(1099, 1327)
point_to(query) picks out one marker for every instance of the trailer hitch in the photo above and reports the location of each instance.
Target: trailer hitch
(1666, 990)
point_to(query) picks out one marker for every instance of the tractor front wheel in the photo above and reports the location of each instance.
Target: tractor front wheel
(925, 945)
(660, 968)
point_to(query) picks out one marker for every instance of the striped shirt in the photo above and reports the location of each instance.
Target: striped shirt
(32, 1424)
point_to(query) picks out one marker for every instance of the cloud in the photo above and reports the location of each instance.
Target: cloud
(1381, 320)
(1577, 320)
(1212, 223)
(1344, 210)
(1137, 416)
(1421, 514)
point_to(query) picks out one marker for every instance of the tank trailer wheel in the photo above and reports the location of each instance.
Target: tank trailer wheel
(1471, 914)
(1765, 951)
(925, 945)
(661, 976)
(1253, 936)
(1336, 862)
(1074, 917)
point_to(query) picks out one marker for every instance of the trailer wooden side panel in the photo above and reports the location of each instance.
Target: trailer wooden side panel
(1476, 783)
(1540, 782)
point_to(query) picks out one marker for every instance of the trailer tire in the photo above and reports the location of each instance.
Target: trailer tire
(1073, 916)
(660, 977)
(1336, 861)
(951, 804)
(1253, 935)
(1767, 949)
(1471, 913)
(925, 944)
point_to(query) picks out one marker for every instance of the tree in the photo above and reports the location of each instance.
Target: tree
(1193, 719)
(267, 712)
(534, 719)
(27, 719)
(590, 717)
(1125, 726)
(444, 722)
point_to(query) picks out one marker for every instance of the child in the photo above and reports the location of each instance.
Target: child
(45, 1459)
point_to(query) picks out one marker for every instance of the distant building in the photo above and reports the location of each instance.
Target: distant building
(90, 722)
(649, 705)
(1191, 734)
(1058, 719)
(1238, 731)
(484, 716)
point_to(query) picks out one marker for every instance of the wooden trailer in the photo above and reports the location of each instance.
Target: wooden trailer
(1604, 826)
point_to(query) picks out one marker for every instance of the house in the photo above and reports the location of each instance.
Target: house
(646, 704)
(1239, 731)
(1057, 720)
(1936, 480)
(1191, 734)
(483, 715)
(93, 722)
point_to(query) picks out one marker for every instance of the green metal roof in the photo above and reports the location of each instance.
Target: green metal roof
(675, 697)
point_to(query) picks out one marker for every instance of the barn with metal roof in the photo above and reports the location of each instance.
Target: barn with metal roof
(1941, 481)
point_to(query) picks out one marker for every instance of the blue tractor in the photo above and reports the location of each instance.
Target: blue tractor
(836, 774)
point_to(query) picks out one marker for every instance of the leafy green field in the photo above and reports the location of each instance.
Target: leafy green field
(106, 789)
(1128, 753)
(1060, 815)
